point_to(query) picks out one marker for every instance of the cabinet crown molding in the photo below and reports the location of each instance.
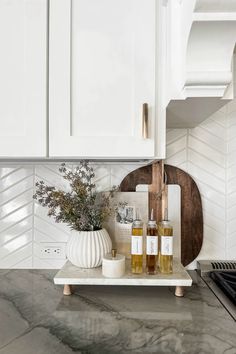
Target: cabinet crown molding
(215, 6)
(200, 51)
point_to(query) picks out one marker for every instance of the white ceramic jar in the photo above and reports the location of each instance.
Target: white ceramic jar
(113, 265)
(85, 249)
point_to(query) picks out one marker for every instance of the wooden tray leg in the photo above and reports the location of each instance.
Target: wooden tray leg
(67, 290)
(179, 291)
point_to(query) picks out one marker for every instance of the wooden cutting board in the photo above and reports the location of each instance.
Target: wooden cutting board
(191, 205)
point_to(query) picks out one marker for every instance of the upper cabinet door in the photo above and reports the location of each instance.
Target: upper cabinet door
(23, 42)
(101, 72)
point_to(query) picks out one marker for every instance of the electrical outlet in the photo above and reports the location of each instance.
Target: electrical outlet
(53, 250)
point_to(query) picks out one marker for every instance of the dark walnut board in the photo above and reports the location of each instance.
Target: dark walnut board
(191, 205)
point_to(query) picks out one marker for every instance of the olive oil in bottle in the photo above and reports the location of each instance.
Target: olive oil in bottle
(151, 246)
(165, 231)
(137, 246)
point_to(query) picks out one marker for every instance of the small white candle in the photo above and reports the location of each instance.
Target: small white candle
(113, 265)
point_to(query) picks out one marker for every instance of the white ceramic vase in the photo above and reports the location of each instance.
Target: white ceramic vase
(85, 249)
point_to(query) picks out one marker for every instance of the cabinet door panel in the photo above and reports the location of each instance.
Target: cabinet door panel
(102, 70)
(23, 30)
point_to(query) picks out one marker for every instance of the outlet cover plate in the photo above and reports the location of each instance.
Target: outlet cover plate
(53, 250)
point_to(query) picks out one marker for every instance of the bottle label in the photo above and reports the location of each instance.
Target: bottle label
(152, 245)
(137, 245)
(167, 245)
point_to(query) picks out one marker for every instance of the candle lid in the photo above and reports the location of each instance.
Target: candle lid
(108, 257)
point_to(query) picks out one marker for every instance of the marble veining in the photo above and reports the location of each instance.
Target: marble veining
(70, 274)
(35, 318)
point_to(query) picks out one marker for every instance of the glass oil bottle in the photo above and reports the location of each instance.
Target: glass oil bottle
(165, 231)
(137, 246)
(151, 246)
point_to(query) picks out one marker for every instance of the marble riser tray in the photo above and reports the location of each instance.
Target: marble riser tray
(72, 275)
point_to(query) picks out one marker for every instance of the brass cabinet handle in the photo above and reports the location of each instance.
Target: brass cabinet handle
(145, 121)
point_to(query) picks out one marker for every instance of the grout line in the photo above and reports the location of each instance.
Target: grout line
(210, 120)
(55, 240)
(16, 210)
(52, 224)
(15, 183)
(205, 171)
(15, 237)
(213, 229)
(233, 205)
(176, 152)
(198, 180)
(48, 263)
(20, 261)
(14, 224)
(216, 246)
(233, 138)
(209, 212)
(207, 131)
(19, 167)
(219, 205)
(226, 181)
(174, 140)
(230, 179)
(206, 157)
(214, 148)
(212, 216)
(16, 196)
(15, 251)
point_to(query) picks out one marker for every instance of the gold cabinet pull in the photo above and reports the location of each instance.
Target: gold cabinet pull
(145, 121)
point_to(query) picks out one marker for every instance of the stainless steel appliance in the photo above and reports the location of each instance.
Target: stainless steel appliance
(220, 276)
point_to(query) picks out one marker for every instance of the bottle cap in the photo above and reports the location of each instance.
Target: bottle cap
(152, 223)
(138, 223)
(166, 223)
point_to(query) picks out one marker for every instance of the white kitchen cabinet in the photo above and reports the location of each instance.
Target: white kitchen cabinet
(102, 69)
(23, 64)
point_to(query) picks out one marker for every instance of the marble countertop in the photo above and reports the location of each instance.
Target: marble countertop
(35, 318)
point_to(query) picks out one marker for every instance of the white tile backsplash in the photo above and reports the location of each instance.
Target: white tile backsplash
(211, 160)
(207, 152)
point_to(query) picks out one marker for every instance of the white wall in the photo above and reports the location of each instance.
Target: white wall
(207, 152)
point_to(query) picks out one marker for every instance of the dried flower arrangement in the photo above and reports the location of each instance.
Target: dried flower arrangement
(82, 208)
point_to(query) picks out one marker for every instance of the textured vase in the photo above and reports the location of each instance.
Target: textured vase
(85, 249)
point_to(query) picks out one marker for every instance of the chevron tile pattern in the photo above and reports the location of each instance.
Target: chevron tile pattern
(205, 156)
(231, 182)
(16, 217)
(207, 152)
(45, 228)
